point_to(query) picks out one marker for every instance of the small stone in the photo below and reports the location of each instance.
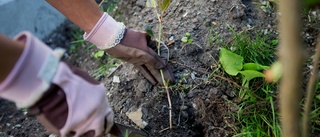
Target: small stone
(193, 75)
(265, 32)
(136, 117)
(171, 38)
(8, 124)
(194, 106)
(185, 14)
(184, 107)
(116, 79)
(18, 126)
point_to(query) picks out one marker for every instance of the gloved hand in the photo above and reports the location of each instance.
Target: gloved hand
(66, 100)
(131, 46)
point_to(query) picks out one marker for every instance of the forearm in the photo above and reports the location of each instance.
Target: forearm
(10, 52)
(84, 13)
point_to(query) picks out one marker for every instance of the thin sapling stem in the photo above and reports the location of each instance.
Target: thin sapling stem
(161, 72)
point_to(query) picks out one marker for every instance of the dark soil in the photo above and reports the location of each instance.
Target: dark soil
(199, 102)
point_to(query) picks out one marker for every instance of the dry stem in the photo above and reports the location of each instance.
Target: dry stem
(291, 55)
(310, 93)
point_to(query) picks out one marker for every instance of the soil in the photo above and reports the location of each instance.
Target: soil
(199, 102)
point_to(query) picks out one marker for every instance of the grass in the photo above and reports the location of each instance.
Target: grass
(258, 115)
(257, 48)
(315, 113)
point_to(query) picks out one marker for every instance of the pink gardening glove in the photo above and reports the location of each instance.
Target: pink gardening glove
(132, 46)
(66, 100)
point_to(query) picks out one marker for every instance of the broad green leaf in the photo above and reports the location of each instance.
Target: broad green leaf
(248, 75)
(164, 4)
(190, 41)
(98, 54)
(254, 66)
(184, 39)
(231, 62)
(151, 3)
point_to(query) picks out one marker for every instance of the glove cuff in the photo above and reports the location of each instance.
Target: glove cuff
(32, 73)
(107, 33)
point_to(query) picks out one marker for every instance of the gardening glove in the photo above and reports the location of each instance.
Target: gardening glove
(66, 100)
(132, 46)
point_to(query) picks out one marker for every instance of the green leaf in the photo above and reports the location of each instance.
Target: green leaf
(149, 30)
(151, 3)
(99, 54)
(274, 42)
(184, 39)
(188, 34)
(231, 62)
(248, 75)
(164, 4)
(254, 66)
(190, 41)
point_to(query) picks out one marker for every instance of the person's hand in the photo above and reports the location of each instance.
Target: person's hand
(74, 105)
(131, 46)
(139, 49)
(66, 100)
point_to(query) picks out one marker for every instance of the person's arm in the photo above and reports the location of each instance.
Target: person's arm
(114, 38)
(84, 13)
(9, 54)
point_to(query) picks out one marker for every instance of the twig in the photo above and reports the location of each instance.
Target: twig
(171, 43)
(310, 92)
(1, 117)
(168, 128)
(218, 76)
(180, 113)
(164, 129)
(229, 125)
(214, 75)
(102, 1)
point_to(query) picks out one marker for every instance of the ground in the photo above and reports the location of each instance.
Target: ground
(200, 104)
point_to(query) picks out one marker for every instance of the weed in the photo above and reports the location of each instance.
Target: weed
(187, 39)
(214, 38)
(77, 35)
(233, 64)
(105, 67)
(99, 54)
(266, 6)
(258, 109)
